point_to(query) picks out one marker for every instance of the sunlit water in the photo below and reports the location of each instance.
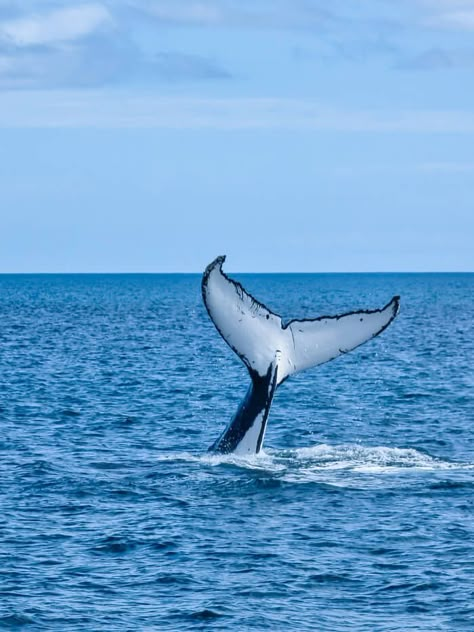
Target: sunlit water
(357, 516)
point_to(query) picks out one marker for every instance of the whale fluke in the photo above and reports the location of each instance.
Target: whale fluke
(273, 350)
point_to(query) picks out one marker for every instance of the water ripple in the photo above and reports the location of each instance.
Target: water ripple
(357, 516)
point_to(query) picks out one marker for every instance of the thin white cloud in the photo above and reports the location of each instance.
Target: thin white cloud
(448, 14)
(456, 19)
(279, 14)
(447, 167)
(99, 109)
(201, 13)
(446, 4)
(173, 66)
(439, 59)
(61, 25)
(290, 14)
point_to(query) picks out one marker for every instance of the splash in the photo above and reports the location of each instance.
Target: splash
(361, 458)
(321, 458)
(354, 465)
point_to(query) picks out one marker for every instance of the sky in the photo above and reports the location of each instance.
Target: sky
(290, 135)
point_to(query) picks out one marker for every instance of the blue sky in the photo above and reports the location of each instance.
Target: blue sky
(292, 135)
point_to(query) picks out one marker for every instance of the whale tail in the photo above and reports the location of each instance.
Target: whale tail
(273, 350)
(245, 433)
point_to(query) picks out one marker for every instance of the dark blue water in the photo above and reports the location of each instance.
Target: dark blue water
(359, 516)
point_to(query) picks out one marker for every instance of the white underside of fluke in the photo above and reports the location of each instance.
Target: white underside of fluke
(255, 333)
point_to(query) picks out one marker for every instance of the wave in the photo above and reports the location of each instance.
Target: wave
(354, 464)
(369, 459)
(339, 465)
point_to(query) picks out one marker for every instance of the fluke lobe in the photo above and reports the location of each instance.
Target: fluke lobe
(272, 351)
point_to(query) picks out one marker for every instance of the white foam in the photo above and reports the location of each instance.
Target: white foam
(346, 465)
(358, 456)
(354, 465)
(261, 461)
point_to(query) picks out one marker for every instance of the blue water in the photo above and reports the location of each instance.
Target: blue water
(358, 516)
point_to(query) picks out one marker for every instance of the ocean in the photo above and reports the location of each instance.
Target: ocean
(357, 516)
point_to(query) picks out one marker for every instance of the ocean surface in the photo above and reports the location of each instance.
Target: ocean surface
(358, 515)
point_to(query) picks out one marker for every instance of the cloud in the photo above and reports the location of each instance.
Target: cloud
(85, 46)
(449, 14)
(461, 20)
(95, 61)
(101, 62)
(326, 31)
(190, 13)
(451, 4)
(439, 59)
(446, 167)
(276, 14)
(53, 44)
(176, 66)
(116, 109)
(73, 46)
(61, 25)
